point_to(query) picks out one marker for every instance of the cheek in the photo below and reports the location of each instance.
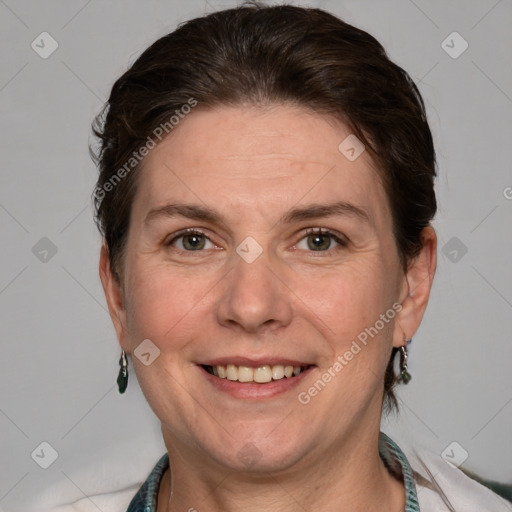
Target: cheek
(346, 307)
(161, 306)
(347, 299)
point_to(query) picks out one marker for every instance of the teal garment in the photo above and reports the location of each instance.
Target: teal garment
(145, 499)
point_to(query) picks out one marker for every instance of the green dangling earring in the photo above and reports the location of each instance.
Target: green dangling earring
(405, 376)
(122, 378)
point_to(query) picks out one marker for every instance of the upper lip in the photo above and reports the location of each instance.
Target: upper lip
(254, 362)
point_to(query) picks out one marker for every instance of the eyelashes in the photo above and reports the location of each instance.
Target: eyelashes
(311, 239)
(321, 240)
(191, 240)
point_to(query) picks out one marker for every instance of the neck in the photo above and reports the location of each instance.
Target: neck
(349, 479)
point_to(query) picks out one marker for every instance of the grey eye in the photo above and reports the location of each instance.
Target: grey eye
(319, 242)
(192, 242)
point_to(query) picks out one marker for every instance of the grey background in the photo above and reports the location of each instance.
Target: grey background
(58, 349)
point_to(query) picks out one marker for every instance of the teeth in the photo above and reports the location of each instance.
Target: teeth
(231, 372)
(277, 371)
(262, 374)
(245, 374)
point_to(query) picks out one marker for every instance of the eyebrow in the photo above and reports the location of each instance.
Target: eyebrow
(316, 211)
(190, 211)
(309, 212)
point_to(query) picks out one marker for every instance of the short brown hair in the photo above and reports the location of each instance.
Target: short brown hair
(271, 55)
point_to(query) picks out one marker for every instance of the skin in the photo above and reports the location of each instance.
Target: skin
(252, 165)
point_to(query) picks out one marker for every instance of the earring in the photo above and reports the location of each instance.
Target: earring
(122, 378)
(405, 376)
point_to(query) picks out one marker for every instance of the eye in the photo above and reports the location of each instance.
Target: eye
(320, 240)
(191, 240)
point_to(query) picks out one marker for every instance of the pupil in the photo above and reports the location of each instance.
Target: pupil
(193, 242)
(319, 242)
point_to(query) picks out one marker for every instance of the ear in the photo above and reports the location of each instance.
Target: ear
(415, 289)
(115, 301)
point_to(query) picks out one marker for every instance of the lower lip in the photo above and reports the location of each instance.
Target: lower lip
(254, 390)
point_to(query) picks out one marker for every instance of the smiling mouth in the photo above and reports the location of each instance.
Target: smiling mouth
(261, 374)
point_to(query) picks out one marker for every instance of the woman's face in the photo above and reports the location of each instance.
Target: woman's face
(255, 242)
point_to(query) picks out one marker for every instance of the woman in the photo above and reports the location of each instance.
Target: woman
(265, 198)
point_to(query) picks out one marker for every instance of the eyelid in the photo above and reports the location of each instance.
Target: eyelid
(338, 237)
(170, 239)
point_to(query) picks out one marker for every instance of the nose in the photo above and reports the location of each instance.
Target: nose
(255, 298)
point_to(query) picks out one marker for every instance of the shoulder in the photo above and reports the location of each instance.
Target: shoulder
(438, 483)
(107, 487)
(118, 501)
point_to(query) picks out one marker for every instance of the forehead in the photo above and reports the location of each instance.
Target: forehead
(260, 158)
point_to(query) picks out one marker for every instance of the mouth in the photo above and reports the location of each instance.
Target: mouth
(261, 374)
(259, 378)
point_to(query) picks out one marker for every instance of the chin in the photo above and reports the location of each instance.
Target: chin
(260, 450)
